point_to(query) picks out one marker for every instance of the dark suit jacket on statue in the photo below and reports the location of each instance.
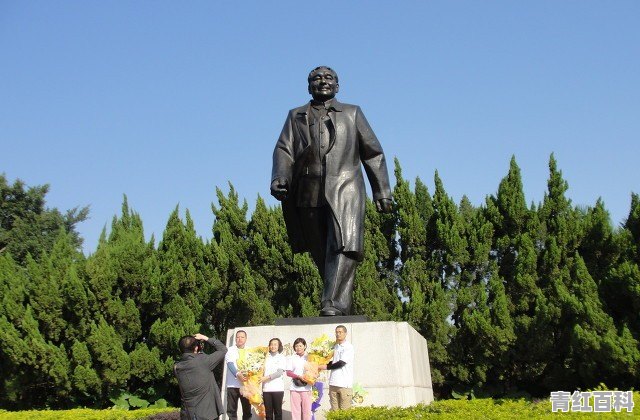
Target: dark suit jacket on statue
(353, 144)
(198, 387)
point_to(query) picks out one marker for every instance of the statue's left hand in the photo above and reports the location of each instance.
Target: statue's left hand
(279, 188)
(384, 205)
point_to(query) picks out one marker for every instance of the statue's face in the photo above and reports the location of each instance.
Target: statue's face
(323, 85)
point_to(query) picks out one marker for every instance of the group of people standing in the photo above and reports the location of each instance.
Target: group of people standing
(277, 366)
(201, 396)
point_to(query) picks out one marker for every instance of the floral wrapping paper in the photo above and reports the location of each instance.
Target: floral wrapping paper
(320, 353)
(251, 364)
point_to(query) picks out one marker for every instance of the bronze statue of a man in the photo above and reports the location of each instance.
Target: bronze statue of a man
(317, 175)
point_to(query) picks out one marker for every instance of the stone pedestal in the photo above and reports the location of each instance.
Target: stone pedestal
(391, 360)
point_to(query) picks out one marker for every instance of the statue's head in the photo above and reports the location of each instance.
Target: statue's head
(323, 83)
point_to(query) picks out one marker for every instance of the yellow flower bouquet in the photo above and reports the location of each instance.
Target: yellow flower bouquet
(320, 353)
(251, 364)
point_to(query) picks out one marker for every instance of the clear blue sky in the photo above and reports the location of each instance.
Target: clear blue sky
(163, 101)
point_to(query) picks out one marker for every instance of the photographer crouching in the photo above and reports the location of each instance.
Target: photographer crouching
(198, 388)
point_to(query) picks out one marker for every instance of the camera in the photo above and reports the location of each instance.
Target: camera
(200, 346)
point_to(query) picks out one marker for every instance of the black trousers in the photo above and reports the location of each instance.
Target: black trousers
(232, 404)
(273, 404)
(337, 269)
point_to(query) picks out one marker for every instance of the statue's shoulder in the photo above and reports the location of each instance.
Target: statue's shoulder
(299, 110)
(346, 107)
(349, 106)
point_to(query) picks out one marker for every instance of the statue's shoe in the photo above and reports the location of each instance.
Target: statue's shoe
(330, 311)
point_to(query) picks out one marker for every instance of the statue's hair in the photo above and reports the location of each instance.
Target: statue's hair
(312, 72)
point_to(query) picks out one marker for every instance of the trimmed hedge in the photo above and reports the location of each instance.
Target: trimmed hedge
(83, 414)
(483, 408)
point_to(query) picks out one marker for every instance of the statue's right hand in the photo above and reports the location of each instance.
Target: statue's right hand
(279, 188)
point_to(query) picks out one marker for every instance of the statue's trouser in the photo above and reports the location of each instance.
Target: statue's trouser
(337, 269)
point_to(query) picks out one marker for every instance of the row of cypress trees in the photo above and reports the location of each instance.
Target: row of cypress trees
(510, 297)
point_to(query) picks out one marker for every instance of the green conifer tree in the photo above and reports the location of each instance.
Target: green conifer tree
(27, 226)
(86, 383)
(120, 273)
(632, 224)
(514, 252)
(245, 295)
(187, 271)
(111, 361)
(621, 286)
(598, 247)
(579, 333)
(376, 289)
(56, 293)
(38, 371)
(427, 304)
(484, 325)
(271, 257)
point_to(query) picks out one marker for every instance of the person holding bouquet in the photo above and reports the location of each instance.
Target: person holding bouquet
(273, 382)
(251, 365)
(300, 390)
(235, 378)
(341, 367)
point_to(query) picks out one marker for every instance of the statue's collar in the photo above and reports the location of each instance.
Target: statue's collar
(330, 105)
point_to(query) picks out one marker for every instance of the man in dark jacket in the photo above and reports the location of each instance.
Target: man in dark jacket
(198, 388)
(317, 176)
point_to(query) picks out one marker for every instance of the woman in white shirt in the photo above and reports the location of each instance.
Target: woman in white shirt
(273, 381)
(300, 390)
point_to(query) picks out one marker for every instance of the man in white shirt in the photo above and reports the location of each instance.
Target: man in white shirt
(341, 367)
(235, 378)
